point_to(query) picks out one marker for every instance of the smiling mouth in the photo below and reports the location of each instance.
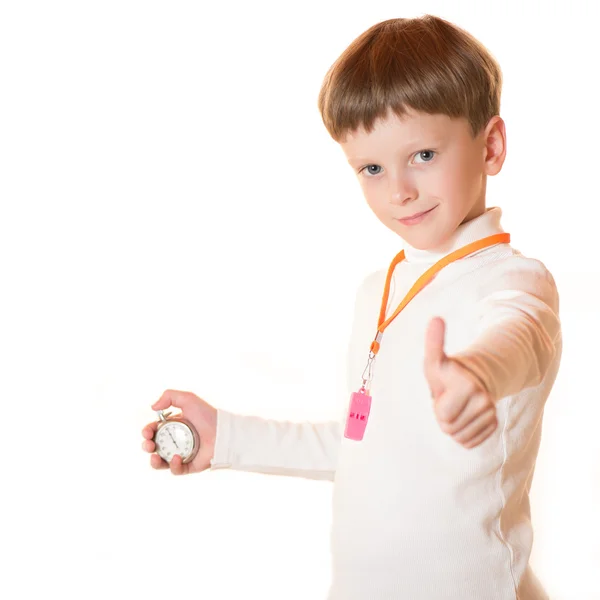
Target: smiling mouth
(415, 216)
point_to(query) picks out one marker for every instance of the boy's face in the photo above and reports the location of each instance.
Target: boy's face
(422, 162)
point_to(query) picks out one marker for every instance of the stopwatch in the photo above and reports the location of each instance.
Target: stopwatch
(175, 436)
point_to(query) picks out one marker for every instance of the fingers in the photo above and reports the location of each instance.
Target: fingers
(169, 398)
(477, 431)
(484, 435)
(177, 466)
(150, 429)
(156, 462)
(148, 446)
(451, 406)
(463, 399)
(455, 416)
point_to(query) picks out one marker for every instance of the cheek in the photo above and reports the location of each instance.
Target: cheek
(450, 180)
(441, 183)
(374, 194)
(376, 204)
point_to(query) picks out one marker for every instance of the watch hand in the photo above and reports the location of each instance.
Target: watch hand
(175, 443)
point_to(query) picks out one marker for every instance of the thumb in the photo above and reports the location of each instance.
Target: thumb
(171, 398)
(434, 348)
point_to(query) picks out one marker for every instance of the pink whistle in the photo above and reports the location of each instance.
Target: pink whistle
(360, 407)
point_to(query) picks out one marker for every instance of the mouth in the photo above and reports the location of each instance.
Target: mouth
(416, 218)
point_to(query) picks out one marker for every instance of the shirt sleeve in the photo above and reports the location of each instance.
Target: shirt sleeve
(518, 327)
(249, 443)
(308, 450)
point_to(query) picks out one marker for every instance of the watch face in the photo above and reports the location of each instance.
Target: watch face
(174, 438)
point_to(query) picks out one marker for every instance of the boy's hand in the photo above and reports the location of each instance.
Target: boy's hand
(462, 405)
(201, 415)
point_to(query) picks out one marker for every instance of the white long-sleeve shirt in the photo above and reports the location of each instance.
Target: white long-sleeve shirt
(416, 516)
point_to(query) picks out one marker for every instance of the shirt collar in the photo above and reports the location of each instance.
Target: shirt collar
(486, 224)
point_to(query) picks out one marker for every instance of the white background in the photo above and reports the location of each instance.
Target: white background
(174, 215)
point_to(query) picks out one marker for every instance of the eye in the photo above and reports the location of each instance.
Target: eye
(369, 171)
(426, 152)
(427, 156)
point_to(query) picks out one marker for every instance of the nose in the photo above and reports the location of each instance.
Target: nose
(402, 190)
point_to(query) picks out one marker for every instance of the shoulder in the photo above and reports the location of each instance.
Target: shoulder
(510, 273)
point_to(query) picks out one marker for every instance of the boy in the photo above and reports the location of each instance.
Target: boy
(431, 482)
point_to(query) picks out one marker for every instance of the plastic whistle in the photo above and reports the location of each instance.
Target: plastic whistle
(358, 415)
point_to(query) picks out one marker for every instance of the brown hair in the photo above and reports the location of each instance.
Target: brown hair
(425, 63)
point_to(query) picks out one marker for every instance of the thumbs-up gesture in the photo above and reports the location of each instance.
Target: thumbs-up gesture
(462, 405)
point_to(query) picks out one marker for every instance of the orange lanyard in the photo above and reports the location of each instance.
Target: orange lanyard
(498, 238)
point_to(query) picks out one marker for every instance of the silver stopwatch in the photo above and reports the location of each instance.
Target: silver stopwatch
(175, 436)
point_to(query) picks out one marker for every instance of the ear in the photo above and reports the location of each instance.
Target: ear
(494, 138)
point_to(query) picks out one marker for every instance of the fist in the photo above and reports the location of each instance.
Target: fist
(462, 405)
(201, 415)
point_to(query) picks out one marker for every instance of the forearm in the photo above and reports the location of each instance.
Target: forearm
(249, 443)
